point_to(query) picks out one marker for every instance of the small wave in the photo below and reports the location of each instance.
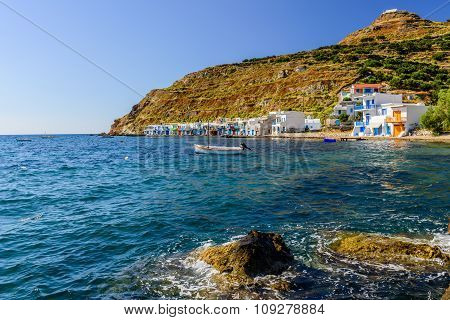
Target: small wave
(183, 276)
(33, 218)
(442, 241)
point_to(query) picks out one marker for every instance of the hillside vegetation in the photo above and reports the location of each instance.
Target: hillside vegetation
(402, 50)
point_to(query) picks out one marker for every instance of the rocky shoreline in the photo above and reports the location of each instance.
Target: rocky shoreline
(243, 266)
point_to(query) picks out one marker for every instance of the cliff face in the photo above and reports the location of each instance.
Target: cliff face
(397, 48)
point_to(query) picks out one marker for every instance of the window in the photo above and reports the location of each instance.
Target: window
(351, 110)
(383, 112)
(373, 101)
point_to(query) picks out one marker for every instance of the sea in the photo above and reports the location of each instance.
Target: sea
(86, 217)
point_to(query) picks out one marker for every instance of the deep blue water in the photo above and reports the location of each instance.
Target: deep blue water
(83, 217)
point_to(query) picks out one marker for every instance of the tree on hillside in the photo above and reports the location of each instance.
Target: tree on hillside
(437, 118)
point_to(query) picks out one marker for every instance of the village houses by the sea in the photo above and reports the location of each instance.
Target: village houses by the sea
(372, 110)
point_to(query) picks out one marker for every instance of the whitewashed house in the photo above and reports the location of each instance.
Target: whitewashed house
(344, 107)
(157, 130)
(369, 109)
(390, 119)
(402, 118)
(348, 99)
(254, 127)
(287, 121)
(261, 126)
(312, 124)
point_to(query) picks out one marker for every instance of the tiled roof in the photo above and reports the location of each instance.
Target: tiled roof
(367, 85)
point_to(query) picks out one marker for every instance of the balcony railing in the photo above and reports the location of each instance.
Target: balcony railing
(359, 124)
(395, 119)
(368, 106)
(359, 107)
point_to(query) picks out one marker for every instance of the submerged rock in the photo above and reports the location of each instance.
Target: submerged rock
(256, 254)
(383, 249)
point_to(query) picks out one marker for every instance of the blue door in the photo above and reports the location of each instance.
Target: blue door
(367, 119)
(388, 130)
(375, 131)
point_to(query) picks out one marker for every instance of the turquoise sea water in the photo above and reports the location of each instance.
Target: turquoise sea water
(83, 217)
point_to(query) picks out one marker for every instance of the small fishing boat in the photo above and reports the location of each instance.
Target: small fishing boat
(199, 148)
(47, 137)
(328, 140)
(23, 139)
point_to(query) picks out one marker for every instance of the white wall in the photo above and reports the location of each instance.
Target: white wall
(414, 113)
(295, 120)
(381, 98)
(313, 124)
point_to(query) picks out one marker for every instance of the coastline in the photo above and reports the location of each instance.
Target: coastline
(445, 138)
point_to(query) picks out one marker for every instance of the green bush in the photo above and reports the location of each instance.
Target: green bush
(351, 58)
(437, 118)
(343, 117)
(439, 56)
(372, 63)
(282, 59)
(367, 39)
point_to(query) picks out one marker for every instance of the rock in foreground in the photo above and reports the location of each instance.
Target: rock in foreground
(386, 250)
(254, 255)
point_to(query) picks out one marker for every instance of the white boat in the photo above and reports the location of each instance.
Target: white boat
(199, 148)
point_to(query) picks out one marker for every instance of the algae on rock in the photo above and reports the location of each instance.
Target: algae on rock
(386, 250)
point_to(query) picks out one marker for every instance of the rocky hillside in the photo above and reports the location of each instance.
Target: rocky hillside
(399, 48)
(397, 25)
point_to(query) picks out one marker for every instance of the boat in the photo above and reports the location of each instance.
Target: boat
(327, 140)
(199, 148)
(23, 139)
(47, 137)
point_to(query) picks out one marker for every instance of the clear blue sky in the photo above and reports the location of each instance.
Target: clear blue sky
(44, 87)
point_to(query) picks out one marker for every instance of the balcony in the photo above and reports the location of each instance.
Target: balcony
(359, 107)
(395, 120)
(359, 124)
(368, 106)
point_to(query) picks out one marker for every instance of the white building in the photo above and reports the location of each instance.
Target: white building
(369, 109)
(348, 99)
(157, 130)
(312, 124)
(404, 117)
(261, 126)
(389, 119)
(344, 107)
(287, 121)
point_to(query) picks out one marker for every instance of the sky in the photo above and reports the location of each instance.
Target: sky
(47, 88)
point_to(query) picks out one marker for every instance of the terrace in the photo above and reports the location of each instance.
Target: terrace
(395, 119)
